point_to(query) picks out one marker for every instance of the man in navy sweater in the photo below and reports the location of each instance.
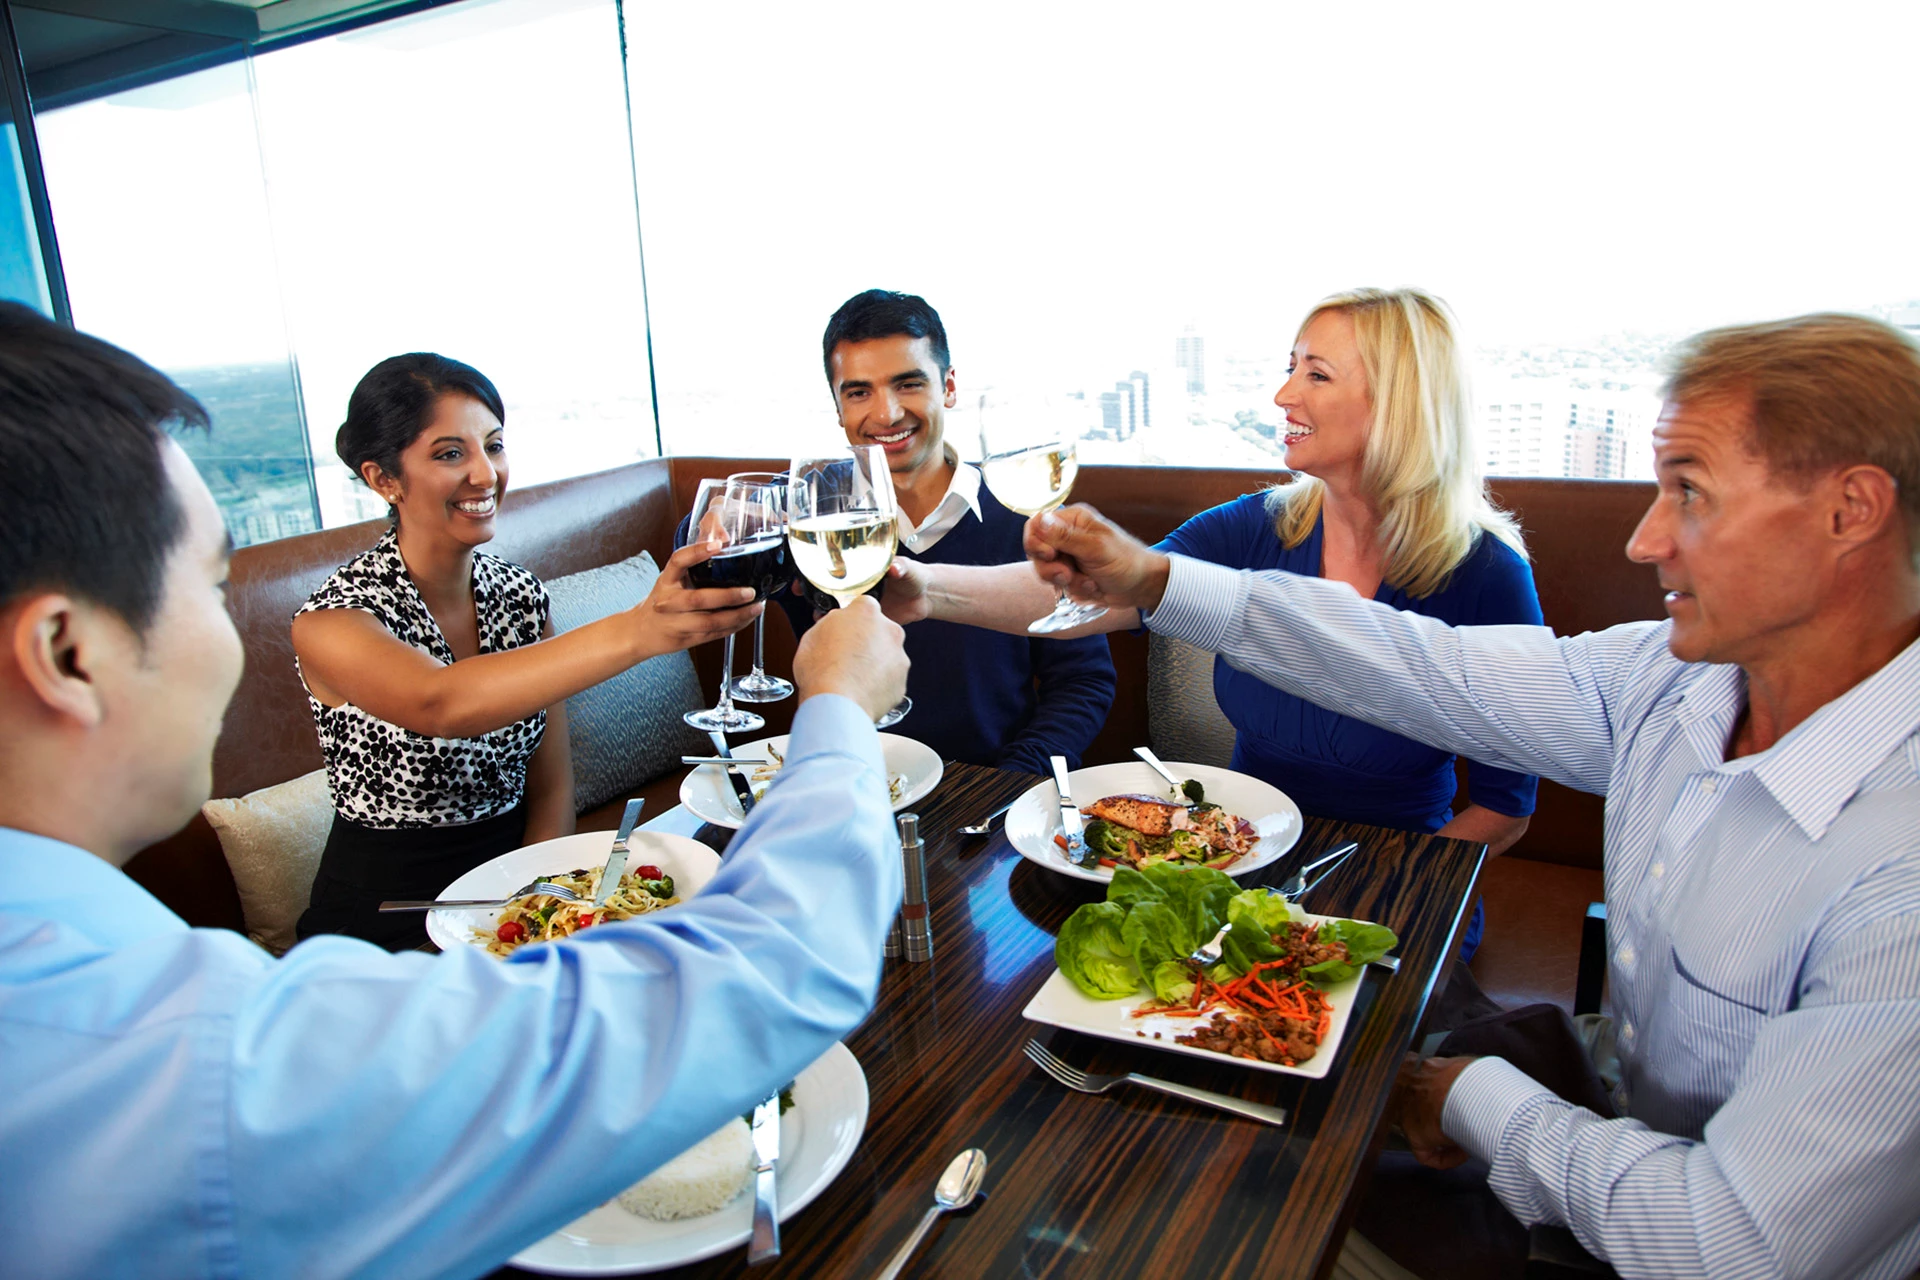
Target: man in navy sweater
(978, 696)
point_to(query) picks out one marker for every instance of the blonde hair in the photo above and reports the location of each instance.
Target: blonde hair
(1421, 466)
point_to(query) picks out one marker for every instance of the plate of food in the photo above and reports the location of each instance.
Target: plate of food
(1279, 999)
(913, 770)
(662, 870)
(634, 1232)
(1236, 824)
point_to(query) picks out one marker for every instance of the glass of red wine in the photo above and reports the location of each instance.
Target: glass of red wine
(745, 523)
(757, 685)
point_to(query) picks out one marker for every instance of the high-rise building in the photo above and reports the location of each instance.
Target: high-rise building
(1552, 427)
(1190, 354)
(1142, 403)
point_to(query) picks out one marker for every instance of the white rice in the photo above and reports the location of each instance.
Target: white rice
(699, 1180)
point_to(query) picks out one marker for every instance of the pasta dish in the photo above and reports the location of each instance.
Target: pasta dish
(545, 918)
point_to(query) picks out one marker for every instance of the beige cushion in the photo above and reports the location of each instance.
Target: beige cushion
(273, 838)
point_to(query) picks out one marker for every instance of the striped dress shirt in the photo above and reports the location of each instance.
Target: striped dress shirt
(1763, 924)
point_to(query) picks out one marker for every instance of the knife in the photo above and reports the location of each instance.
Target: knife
(740, 785)
(766, 1197)
(1070, 816)
(617, 860)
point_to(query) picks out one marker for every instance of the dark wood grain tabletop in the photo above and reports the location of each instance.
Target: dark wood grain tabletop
(1130, 1182)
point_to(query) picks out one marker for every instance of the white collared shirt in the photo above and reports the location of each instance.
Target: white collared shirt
(1763, 923)
(962, 496)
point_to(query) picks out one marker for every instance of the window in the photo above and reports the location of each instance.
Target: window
(266, 237)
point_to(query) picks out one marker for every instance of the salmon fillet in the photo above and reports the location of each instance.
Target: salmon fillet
(1145, 814)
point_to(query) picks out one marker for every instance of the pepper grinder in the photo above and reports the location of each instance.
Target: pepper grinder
(916, 934)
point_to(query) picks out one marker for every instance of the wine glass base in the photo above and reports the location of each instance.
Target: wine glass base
(760, 687)
(1065, 616)
(715, 720)
(895, 714)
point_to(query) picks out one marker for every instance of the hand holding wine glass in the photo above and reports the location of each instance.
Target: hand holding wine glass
(841, 526)
(1028, 459)
(742, 522)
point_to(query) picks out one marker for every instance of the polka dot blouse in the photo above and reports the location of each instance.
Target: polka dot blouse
(388, 777)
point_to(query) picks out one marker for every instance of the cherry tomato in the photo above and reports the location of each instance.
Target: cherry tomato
(650, 872)
(511, 931)
(586, 920)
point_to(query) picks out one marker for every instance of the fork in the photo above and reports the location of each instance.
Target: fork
(1074, 1078)
(1296, 884)
(546, 887)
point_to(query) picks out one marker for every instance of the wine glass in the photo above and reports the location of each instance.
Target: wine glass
(841, 527)
(1027, 459)
(757, 685)
(744, 524)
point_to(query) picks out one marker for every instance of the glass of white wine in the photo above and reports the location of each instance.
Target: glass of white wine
(1027, 457)
(841, 527)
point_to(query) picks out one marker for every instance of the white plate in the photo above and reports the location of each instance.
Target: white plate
(817, 1138)
(1061, 1004)
(1034, 820)
(710, 798)
(690, 863)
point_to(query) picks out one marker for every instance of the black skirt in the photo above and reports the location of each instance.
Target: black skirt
(365, 866)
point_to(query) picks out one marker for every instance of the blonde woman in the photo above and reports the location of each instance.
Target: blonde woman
(1386, 496)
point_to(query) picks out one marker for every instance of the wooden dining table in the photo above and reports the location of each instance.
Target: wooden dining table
(1131, 1182)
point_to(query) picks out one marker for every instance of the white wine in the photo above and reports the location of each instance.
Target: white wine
(1032, 480)
(843, 554)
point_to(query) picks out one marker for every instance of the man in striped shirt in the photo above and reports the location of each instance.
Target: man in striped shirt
(1760, 755)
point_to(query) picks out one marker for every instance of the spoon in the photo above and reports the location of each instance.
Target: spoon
(985, 824)
(956, 1190)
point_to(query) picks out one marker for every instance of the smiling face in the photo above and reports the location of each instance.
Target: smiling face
(892, 392)
(1742, 556)
(1328, 404)
(452, 476)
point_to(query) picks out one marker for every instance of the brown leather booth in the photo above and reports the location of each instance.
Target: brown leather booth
(1536, 895)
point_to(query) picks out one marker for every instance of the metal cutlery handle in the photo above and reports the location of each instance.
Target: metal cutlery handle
(1339, 860)
(765, 1242)
(900, 1256)
(1251, 1110)
(1153, 761)
(431, 905)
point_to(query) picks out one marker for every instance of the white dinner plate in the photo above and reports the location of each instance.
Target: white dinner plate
(1034, 820)
(817, 1138)
(1061, 1004)
(690, 863)
(710, 798)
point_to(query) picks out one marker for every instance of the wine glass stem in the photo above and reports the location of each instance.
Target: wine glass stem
(726, 677)
(759, 644)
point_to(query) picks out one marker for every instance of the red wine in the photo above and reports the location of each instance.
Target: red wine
(760, 564)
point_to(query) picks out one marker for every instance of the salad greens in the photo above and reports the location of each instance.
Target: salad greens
(1154, 918)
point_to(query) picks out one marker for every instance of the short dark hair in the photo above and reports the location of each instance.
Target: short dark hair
(89, 507)
(882, 313)
(395, 401)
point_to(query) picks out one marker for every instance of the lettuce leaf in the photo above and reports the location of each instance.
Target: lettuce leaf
(1365, 942)
(1092, 953)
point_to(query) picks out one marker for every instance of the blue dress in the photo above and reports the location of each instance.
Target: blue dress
(1335, 766)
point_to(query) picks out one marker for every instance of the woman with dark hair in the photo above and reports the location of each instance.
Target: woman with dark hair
(436, 682)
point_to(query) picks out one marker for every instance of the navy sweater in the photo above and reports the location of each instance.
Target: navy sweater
(987, 698)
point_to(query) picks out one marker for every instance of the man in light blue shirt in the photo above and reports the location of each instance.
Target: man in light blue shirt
(1760, 755)
(177, 1102)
